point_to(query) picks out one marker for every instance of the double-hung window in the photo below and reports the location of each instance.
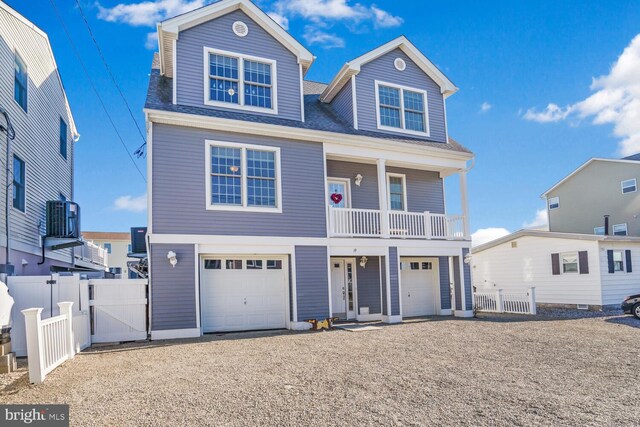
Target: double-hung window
(629, 186)
(63, 138)
(554, 202)
(401, 109)
(243, 177)
(19, 188)
(618, 263)
(570, 262)
(240, 81)
(396, 185)
(620, 229)
(20, 82)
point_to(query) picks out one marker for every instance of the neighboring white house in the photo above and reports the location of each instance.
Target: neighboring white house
(117, 245)
(567, 269)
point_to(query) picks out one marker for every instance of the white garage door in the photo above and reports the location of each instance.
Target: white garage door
(419, 279)
(243, 294)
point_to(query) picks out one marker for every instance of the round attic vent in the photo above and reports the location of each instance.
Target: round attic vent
(240, 29)
(400, 64)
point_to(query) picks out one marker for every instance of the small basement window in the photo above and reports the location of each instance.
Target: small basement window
(629, 186)
(620, 230)
(554, 203)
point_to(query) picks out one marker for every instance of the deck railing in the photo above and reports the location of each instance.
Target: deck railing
(350, 222)
(92, 253)
(499, 301)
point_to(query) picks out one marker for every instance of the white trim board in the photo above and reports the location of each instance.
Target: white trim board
(171, 334)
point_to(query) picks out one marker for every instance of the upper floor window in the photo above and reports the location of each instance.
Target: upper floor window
(107, 247)
(599, 231)
(629, 186)
(396, 185)
(401, 109)
(19, 187)
(243, 176)
(554, 203)
(240, 81)
(20, 82)
(63, 138)
(620, 230)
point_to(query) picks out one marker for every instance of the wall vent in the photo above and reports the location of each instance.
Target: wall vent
(583, 307)
(514, 244)
(400, 64)
(240, 29)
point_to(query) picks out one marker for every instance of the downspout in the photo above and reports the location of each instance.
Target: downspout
(11, 134)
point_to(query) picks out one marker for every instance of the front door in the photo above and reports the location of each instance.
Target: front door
(343, 288)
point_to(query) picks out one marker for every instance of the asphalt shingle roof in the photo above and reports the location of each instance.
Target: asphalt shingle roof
(318, 115)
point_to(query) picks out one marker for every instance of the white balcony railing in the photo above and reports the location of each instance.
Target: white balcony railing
(90, 252)
(349, 222)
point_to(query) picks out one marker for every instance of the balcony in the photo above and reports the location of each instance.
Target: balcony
(349, 222)
(92, 255)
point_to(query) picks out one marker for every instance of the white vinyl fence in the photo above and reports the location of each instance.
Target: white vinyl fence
(119, 309)
(499, 301)
(50, 341)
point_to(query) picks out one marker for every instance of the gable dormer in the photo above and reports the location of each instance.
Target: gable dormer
(393, 89)
(230, 56)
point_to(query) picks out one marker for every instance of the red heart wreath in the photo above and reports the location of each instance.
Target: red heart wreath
(336, 198)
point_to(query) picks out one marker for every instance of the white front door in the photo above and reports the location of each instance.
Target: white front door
(243, 293)
(419, 281)
(343, 292)
(339, 192)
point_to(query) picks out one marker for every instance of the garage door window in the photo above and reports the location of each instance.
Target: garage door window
(254, 264)
(427, 266)
(234, 264)
(212, 264)
(274, 264)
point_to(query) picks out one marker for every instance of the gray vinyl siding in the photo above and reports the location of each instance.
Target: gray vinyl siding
(173, 295)
(218, 34)
(312, 289)
(394, 281)
(37, 140)
(456, 282)
(369, 285)
(425, 191)
(366, 195)
(382, 69)
(179, 192)
(343, 103)
(383, 275)
(467, 281)
(445, 283)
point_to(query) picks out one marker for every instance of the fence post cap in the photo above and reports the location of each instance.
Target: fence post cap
(31, 311)
(64, 304)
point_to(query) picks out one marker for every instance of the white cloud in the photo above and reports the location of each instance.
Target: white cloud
(485, 106)
(314, 36)
(147, 13)
(130, 203)
(152, 41)
(485, 235)
(282, 20)
(616, 101)
(540, 221)
(322, 9)
(384, 19)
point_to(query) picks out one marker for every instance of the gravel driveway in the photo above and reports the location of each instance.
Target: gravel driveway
(494, 370)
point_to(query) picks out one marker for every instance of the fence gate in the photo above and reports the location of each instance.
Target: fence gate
(118, 310)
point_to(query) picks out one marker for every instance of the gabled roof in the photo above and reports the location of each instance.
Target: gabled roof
(352, 67)
(584, 165)
(552, 235)
(169, 30)
(33, 27)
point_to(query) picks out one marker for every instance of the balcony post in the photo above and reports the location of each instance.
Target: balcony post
(382, 197)
(427, 224)
(464, 203)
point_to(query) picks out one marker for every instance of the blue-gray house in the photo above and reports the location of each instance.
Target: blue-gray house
(274, 200)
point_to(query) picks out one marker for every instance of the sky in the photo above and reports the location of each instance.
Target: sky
(544, 86)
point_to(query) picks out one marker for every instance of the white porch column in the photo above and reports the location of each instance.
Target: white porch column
(382, 197)
(464, 202)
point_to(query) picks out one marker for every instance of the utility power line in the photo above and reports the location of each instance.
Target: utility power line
(93, 86)
(113, 79)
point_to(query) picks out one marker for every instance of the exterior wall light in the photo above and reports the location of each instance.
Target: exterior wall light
(173, 259)
(467, 259)
(358, 179)
(363, 261)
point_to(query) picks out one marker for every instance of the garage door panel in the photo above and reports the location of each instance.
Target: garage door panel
(244, 299)
(419, 293)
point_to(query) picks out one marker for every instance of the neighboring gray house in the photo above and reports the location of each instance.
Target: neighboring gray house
(274, 200)
(599, 187)
(42, 153)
